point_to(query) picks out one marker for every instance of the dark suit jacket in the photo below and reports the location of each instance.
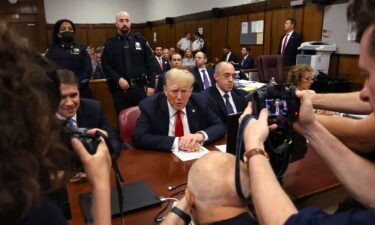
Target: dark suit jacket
(166, 65)
(217, 104)
(291, 49)
(247, 64)
(198, 84)
(232, 57)
(151, 131)
(90, 115)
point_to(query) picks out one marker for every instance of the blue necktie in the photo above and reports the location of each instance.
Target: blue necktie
(206, 82)
(228, 105)
(71, 123)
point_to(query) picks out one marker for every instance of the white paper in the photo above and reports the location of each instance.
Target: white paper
(254, 26)
(186, 156)
(222, 148)
(259, 26)
(244, 28)
(259, 38)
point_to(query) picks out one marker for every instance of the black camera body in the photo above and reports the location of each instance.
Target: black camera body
(280, 101)
(283, 145)
(90, 141)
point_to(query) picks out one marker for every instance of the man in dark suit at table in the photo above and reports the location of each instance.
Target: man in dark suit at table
(203, 76)
(176, 119)
(228, 56)
(223, 98)
(82, 113)
(289, 43)
(246, 61)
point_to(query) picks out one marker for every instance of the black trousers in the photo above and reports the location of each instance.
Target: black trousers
(123, 99)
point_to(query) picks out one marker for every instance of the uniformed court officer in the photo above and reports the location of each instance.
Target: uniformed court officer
(128, 62)
(68, 54)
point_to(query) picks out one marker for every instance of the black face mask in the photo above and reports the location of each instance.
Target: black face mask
(67, 36)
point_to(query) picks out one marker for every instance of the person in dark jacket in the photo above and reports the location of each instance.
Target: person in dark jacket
(128, 63)
(68, 54)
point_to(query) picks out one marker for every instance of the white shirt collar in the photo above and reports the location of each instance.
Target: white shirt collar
(172, 111)
(60, 117)
(222, 92)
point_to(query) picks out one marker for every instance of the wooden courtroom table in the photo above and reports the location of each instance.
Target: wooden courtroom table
(303, 178)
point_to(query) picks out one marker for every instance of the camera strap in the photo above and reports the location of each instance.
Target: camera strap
(239, 152)
(119, 179)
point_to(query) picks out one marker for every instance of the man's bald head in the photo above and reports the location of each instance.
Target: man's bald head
(211, 181)
(123, 23)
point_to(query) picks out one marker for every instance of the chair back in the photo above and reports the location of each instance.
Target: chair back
(127, 120)
(271, 66)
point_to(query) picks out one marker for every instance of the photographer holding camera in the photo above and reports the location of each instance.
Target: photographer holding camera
(34, 160)
(355, 172)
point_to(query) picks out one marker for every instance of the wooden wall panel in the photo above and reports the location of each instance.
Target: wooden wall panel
(312, 22)
(162, 38)
(268, 35)
(191, 26)
(147, 33)
(180, 31)
(234, 30)
(170, 33)
(81, 35)
(111, 32)
(28, 32)
(219, 36)
(96, 37)
(348, 68)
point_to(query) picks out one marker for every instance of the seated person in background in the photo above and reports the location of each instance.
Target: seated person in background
(228, 56)
(176, 119)
(184, 43)
(34, 160)
(97, 68)
(82, 112)
(166, 54)
(176, 62)
(172, 50)
(210, 196)
(302, 76)
(223, 98)
(203, 76)
(188, 60)
(246, 61)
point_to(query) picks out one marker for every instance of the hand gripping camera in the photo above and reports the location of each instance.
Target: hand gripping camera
(283, 145)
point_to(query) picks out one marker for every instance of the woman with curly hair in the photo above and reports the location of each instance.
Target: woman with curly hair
(301, 75)
(34, 160)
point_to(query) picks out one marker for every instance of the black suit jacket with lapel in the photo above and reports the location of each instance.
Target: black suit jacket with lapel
(90, 115)
(152, 127)
(216, 101)
(291, 48)
(198, 84)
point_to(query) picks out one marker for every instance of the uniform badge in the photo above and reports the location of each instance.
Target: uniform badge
(138, 46)
(75, 51)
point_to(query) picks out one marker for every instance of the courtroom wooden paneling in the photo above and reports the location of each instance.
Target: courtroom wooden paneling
(147, 33)
(111, 32)
(21, 7)
(162, 35)
(96, 37)
(170, 33)
(29, 32)
(219, 36)
(312, 22)
(234, 30)
(81, 35)
(100, 92)
(348, 68)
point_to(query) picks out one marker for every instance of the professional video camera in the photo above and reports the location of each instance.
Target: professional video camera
(283, 145)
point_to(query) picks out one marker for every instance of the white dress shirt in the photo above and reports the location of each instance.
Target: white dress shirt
(230, 98)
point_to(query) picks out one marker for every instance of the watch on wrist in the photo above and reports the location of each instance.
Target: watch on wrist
(184, 216)
(253, 152)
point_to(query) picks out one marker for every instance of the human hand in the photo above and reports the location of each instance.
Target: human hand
(97, 166)
(150, 91)
(123, 83)
(256, 131)
(190, 142)
(93, 131)
(306, 114)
